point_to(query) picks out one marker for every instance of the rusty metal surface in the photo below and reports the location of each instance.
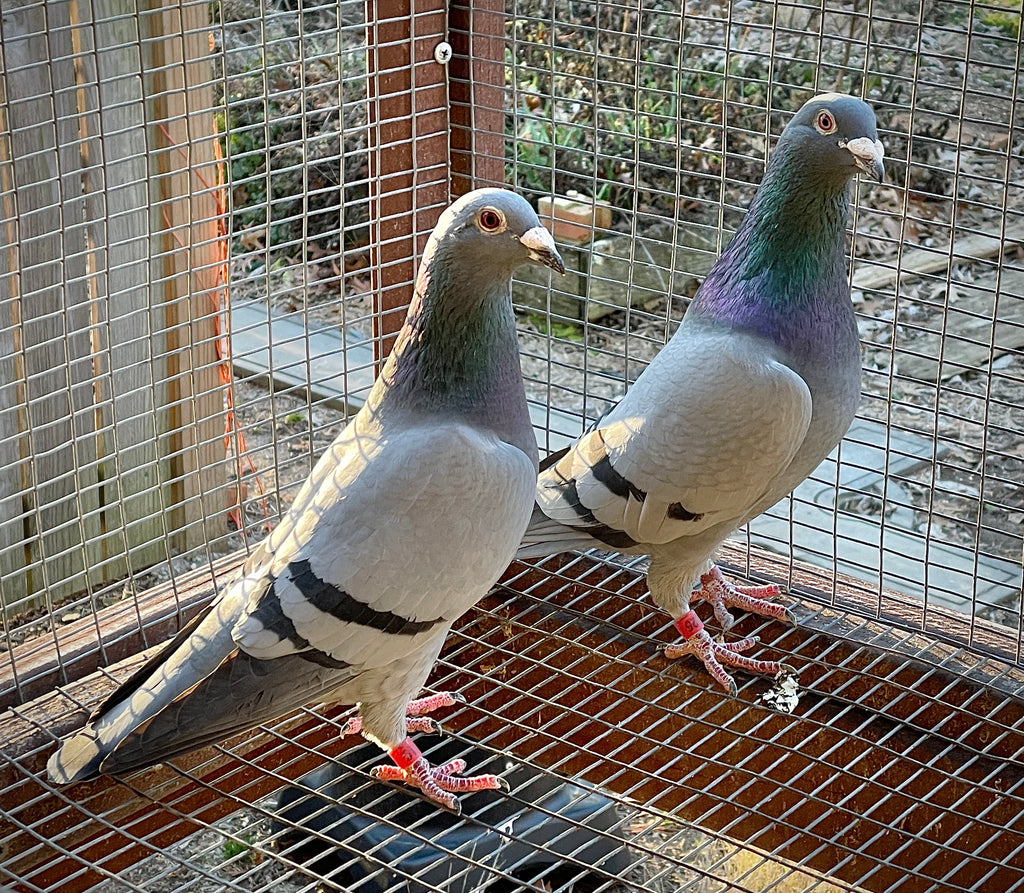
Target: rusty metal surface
(901, 768)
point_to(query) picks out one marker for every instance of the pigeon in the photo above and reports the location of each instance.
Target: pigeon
(348, 600)
(758, 384)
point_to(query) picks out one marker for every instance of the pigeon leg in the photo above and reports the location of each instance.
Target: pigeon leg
(438, 783)
(414, 710)
(714, 654)
(721, 595)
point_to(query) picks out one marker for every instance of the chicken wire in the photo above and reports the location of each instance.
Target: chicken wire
(665, 114)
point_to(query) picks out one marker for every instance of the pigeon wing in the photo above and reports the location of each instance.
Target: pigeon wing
(696, 441)
(363, 567)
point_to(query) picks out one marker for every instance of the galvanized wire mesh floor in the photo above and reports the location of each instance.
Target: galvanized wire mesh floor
(901, 767)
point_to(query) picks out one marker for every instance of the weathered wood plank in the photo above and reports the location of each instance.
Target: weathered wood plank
(126, 389)
(916, 261)
(12, 529)
(52, 309)
(979, 325)
(119, 631)
(187, 265)
(112, 406)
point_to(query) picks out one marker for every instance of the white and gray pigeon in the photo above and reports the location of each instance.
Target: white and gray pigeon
(755, 388)
(350, 597)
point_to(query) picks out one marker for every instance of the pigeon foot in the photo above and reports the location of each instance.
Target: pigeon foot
(414, 710)
(438, 783)
(717, 655)
(722, 595)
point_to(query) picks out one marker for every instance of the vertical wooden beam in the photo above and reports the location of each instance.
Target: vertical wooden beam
(46, 302)
(408, 115)
(116, 234)
(12, 527)
(81, 383)
(477, 93)
(188, 259)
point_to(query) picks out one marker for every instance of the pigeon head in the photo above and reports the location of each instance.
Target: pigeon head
(458, 352)
(784, 272)
(498, 230)
(795, 231)
(837, 133)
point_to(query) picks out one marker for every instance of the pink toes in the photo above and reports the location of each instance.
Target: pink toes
(439, 783)
(434, 702)
(717, 655)
(721, 595)
(414, 711)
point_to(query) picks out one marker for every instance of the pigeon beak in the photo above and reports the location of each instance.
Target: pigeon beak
(542, 248)
(867, 155)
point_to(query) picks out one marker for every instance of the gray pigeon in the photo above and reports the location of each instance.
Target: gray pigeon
(349, 599)
(755, 388)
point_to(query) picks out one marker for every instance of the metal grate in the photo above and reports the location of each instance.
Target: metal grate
(899, 768)
(186, 202)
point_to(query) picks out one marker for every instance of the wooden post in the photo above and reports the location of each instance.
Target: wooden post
(109, 379)
(188, 264)
(408, 114)
(126, 392)
(477, 93)
(53, 483)
(12, 528)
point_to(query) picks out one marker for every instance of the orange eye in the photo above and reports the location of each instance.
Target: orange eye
(825, 123)
(490, 221)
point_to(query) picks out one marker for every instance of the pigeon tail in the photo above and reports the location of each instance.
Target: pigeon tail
(545, 537)
(197, 690)
(79, 758)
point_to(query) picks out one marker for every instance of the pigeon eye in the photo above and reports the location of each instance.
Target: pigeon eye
(825, 123)
(490, 220)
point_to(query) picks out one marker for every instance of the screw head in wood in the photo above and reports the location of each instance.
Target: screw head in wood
(442, 53)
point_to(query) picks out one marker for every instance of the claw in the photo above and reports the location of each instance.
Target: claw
(438, 783)
(434, 702)
(714, 654)
(721, 595)
(414, 710)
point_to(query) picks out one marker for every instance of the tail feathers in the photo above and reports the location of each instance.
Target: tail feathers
(144, 672)
(546, 537)
(242, 693)
(78, 758)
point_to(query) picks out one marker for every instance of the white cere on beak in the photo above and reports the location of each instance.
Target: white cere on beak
(542, 248)
(868, 155)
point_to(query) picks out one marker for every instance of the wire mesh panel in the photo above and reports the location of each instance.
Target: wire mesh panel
(897, 770)
(663, 118)
(112, 262)
(209, 224)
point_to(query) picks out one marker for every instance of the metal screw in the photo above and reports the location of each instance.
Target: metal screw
(442, 53)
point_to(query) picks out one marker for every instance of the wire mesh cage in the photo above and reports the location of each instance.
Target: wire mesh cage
(210, 219)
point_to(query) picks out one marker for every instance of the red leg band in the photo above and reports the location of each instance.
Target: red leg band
(689, 624)
(405, 754)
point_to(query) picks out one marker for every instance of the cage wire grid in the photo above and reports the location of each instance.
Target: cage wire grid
(146, 179)
(552, 686)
